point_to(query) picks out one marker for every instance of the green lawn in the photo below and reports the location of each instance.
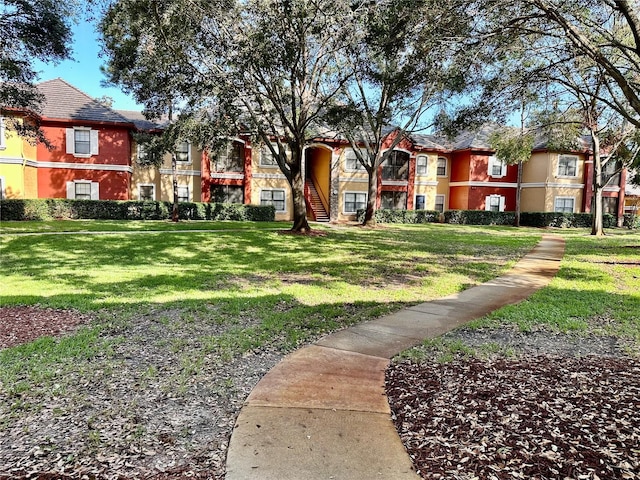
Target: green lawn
(239, 286)
(597, 290)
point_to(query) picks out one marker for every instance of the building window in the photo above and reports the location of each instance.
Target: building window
(83, 190)
(564, 204)
(183, 194)
(439, 206)
(494, 203)
(2, 192)
(227, 194)
(230, 158)
(420, 202)
(142, 154)
(351, 162)
(442, 167)
(266, 156)
(275, 198)
(183, 152)
(146, 193)
(421, 164)
(567, 166)
(354, 201)
(82, 142)
(3, 137)
(393, 200)
(497, 168)
(610, 205)
(611, 172)
(396, 166)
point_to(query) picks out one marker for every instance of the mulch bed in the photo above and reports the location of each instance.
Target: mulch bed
(540, 417)
(25, 324)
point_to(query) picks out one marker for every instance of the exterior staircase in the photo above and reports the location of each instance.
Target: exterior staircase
(314, 201)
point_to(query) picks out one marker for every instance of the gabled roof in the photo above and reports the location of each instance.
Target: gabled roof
(65, 102)
(475, 139)
(429, 142)
(141, 122)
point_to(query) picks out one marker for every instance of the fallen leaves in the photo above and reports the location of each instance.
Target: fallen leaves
(546, 417)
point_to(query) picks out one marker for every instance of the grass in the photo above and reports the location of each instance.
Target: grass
(596, 292)
(232, 290)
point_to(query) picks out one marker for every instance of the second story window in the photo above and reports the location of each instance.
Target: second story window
(421, 164)
(396, 166)
(351, 162)
(82, 142)
(183, 152)
(442, 167)
(230, 158)
(567, 166)
(266, 156)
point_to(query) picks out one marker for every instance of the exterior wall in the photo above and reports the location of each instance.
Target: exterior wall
(243, 179)
(269, 178)
(18, 177)
(427, 184)
(110, 168)
(350, 181)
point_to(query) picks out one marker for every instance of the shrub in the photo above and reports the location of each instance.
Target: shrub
(479, 217)
(61, 208)
(402, 216)
(631, 220)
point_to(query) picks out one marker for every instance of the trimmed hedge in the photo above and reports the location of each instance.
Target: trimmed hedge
(402, 216)
(49, 209)
(479, 217)
(563, 220)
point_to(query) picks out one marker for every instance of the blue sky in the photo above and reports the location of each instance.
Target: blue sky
(83, 70)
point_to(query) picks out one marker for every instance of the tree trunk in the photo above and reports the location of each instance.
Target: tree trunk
(518, 194)
(300, 222)
(372, 197)
(596, 221)
(174, 211)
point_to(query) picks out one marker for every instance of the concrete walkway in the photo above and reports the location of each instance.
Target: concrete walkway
(322, 413)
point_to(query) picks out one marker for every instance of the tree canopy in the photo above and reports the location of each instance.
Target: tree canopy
(30, 31)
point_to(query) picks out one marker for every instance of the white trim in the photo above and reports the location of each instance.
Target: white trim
(284, 192)
(86, 166)
(152, 185)
(186, 173)
(70, 142)
(397, 183)
(484, 184)
(352, 180)
(553, 185)
(611, 189)
(317, 145)
(396, 149)
(344, 201)
(3, 138)
(3, 194)
(270, 176)
(564, 197)
(432, 183)
(230, 176)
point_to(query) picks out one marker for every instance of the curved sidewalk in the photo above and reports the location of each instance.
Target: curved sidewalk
(322, 413)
